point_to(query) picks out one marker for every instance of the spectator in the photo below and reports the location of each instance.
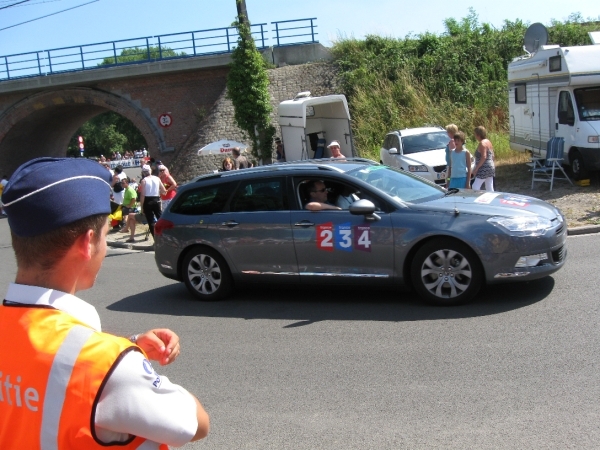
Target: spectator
(58, 354)
(117, 187)
(241, 162)
(227, 165)
(485, 169)
(128, 209)
(460, 164)
(451, 130)
(169, 183)
(334, 148)
(3, 183)
(279, 150)
(150, 189)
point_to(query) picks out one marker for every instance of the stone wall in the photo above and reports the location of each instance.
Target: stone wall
(285, 83)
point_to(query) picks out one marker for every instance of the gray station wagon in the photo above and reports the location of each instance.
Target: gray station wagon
(393, 229)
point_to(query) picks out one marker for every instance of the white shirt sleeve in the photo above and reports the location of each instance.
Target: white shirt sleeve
(138, 401)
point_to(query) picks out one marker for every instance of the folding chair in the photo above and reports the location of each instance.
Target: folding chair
(320, 150)
(544, 170)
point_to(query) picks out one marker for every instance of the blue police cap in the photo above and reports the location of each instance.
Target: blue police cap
(47, 193)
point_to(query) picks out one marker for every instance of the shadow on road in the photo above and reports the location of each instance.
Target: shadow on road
(309, 305)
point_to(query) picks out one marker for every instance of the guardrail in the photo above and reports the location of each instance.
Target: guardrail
(148, 49)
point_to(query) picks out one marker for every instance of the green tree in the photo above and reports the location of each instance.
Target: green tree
(141, 54)
(248, 89)
(105, 134)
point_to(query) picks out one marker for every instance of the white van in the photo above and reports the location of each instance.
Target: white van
(308, 124)
(555, 92)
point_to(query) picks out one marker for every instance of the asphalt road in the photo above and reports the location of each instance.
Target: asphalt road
(360, 369)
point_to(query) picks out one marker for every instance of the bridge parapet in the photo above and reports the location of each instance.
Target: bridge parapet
(150, 49)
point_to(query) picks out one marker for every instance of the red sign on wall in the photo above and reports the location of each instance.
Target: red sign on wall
(165, 120)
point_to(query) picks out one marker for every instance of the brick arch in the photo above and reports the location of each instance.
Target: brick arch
(42, 124)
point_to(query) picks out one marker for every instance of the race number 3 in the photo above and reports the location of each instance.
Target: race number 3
(343, 237)
(362, 238)
(325, 236)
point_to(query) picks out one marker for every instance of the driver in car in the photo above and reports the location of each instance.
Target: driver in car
(318, 197)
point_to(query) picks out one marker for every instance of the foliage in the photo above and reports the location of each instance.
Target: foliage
(574, 31)
(248, 89)
(133, 54)
(459, 76)
(105, 134)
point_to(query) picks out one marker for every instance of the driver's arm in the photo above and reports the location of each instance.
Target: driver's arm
(318, 206)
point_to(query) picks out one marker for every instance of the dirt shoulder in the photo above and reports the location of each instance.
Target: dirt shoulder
(580, 205)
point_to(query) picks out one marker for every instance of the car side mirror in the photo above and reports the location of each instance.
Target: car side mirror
(393, 151)
(364, 208)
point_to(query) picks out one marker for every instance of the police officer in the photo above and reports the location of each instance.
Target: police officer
(64, 384)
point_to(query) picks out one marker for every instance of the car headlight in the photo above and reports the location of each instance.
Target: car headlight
(593, 139)
(417, 169)
(522, 226)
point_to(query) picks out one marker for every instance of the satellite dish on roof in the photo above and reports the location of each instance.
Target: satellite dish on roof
(535, 36)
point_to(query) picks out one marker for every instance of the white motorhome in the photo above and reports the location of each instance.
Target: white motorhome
(555, 92)
(308, 124)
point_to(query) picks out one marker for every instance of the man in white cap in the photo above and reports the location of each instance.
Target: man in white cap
(334, 148)
(68, 385)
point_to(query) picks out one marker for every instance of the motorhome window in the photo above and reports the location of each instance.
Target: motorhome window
(555, 63)
(520, 93)
(566, 114)
(588, 103)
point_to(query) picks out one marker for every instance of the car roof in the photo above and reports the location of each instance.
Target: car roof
(420, 130)
(328, 164)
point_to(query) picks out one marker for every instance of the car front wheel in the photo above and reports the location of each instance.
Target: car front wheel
(206, 274)
(446, 272)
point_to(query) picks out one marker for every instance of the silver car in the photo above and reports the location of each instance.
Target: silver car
(394, 229)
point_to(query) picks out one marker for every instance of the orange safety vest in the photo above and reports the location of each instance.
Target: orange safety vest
(52, 370)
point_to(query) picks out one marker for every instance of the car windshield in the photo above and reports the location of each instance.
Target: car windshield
(424, 142)
(588, 103)
(400, 185)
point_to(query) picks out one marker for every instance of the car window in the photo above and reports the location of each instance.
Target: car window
(339, 193)
(260, 195)
(203, 200)
(386, 142)
(398, 184)
(395, 142)
(424, 142)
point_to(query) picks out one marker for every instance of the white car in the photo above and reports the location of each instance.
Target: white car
(417, 150)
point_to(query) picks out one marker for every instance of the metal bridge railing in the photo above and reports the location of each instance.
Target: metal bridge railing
(148, 49)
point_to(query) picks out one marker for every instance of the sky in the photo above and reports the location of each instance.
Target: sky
(109, 20)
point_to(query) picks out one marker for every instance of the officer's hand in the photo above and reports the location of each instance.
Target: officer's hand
(160, 345)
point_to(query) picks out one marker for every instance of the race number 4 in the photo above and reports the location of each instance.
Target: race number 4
(325, 236)
(362, 238)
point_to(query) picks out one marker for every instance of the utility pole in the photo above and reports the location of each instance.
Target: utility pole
(242, 13)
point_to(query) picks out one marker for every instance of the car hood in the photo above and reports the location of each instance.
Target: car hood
(492, 204)
(430, 158)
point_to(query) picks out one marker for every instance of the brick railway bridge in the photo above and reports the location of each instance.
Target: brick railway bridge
(40, 114)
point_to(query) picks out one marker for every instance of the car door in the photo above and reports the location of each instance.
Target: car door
(256, 233)
(335, 246)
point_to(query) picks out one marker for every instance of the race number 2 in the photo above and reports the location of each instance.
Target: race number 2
(362, 238)
(325, 236)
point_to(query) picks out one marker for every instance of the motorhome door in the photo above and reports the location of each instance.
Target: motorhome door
(565, 120)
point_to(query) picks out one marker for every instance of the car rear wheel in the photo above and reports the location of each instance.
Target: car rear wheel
(206, 274)
(446, 272)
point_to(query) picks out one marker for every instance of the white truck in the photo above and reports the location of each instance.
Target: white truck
(308, 124)
(555, 92)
